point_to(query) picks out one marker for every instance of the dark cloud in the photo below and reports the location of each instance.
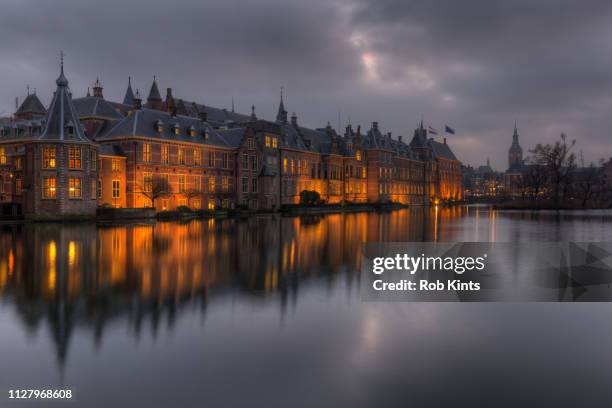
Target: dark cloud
(477, 65)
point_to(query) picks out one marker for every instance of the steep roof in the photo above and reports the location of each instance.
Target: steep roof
(62, 122)
(128, 99)
(142, 123)
(96, 107)
(31, 104)
(154, 92)
(233, 136)
(442, 150)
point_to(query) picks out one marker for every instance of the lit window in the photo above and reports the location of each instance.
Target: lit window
(116, 188)
(274, 142)
(49, 190)
(147, 182)
(211, 159)
(211, 184)
(115, 164)
(18, 186)
(146, 152)
(165, 157)
(197, 157)
(181, 183)
(197, 204)
(358, 155)
(181, 155)
(268, 141)
(17, 163)
(225, 184)
(182, 202)
(2, 155)
(48, 157)
(211, 204)
(74, 187)
(74, 157)
(285, 165)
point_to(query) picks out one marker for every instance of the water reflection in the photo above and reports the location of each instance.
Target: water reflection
(84, 276)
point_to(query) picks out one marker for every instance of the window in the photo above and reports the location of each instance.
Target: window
(147, 182)
(224, 160)
(18, 163)
(18, 186)
(245, 184)
(197, 182)
(165, 156)
(197, 157)
(211, 204)
(358, 155)
(99, 188)
(164, 204)
(211, 184)
(254, 163)
(292, 167)
(116, 188)
(268, 141)
(49, 187)
(115, 165)
(285, 165)
(245, 162)
(251, 143)
(2, 155)
(74, 187)
(211, 159)
(74, 157)
(254, 185)
(274, 142)
(225, 184)
(93, 189)
(182, 202)
(225, 203)
(48, 157)
(146, 152)
(181, 183)
(197, 204)
(181, 155)
(94, 160)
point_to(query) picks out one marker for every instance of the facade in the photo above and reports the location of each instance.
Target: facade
(87, 152)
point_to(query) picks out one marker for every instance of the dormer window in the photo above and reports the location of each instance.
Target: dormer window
(192, 131)
(70, 128)
(176, 129)
(159, 126)
(358, 155)
(206, 134)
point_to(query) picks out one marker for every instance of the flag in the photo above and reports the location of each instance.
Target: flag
(432, 130)
(449, 129)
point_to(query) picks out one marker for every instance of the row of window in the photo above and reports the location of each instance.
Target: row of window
(249, 162)
(150, 184)
(181, 156)
(253, 185)
(49, 158)
(49, 188)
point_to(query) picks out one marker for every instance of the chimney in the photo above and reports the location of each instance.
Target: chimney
(170, 105)
(375, 125)
(389, 135)
(97, 89)
(399, 138)
(137, 101)
(294, 120)
(203, 115)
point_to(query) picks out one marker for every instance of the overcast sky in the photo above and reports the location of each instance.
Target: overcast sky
(476, 65)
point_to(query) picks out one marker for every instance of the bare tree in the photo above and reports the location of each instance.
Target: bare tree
(192, 193)
(590, 180)
(559, 163)
(154, 188)
(534, 179)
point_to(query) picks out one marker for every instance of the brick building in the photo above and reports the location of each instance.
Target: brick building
(171, 152)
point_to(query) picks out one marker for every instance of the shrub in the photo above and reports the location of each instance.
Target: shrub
(183, 209)
(309, 197)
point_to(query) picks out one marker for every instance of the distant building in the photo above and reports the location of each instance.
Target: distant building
(513, 177)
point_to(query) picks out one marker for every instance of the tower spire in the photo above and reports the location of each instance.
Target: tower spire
(281, 116)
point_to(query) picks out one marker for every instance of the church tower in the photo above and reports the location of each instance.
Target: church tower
(515, 153)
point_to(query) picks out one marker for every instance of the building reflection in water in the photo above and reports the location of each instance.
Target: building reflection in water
(85, 275)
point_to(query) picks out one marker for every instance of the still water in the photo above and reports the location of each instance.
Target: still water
(266, 312)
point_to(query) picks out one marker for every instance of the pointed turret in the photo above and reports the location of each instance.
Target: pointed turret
(253, 116)
(31, 108)
(281, 116)
(97, 89)
(128, 99)
(62, 119)
(515, 153)
(154, 100)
